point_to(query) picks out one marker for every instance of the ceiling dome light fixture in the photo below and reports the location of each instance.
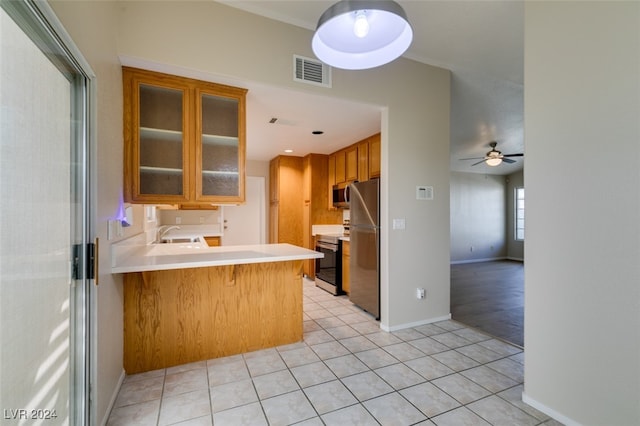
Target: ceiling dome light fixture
(361, 34)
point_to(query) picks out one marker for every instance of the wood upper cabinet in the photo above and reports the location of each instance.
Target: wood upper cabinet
(360, 161)
(363, 160)
(341, 166)
(331, 180)
(346, 164)
(184, 140)
(274, 180)
(374, 156)
(351, 163)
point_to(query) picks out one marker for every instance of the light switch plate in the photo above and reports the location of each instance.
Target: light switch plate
(398, 224)
(112, 229)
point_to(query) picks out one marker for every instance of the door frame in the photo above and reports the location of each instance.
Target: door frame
(38, 20)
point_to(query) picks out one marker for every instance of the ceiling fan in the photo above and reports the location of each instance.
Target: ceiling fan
(494, 157)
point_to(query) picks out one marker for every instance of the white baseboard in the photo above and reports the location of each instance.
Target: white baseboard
(488, 259)
(114, 396)
(549, 411)
(414, 324)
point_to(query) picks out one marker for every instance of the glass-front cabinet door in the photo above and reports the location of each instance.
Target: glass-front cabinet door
(161, 141)
(184, 140)
(220, 149)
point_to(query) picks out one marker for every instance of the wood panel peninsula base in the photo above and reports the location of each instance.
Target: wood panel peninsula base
(177, 316)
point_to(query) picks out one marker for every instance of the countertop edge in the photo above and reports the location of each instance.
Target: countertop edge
(137, 259)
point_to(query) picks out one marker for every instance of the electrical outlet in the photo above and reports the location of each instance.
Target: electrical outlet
(178, 220)
(201, 219)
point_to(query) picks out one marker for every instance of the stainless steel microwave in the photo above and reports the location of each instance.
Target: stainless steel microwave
(340, 196)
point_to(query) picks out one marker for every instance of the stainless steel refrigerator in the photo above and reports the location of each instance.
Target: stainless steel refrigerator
(364, 236)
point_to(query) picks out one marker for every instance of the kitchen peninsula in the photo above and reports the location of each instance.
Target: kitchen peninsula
(189, 302)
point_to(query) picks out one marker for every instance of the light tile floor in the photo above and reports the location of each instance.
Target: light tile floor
(345, 372)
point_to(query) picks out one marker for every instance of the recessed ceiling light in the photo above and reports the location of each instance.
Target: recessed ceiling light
(288, 151)
(317, 132)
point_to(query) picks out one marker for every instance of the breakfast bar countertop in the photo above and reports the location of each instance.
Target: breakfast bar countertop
(138, 256)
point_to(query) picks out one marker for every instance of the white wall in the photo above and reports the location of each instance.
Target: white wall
(261, 169)
(482, 217)
(582, 280)
(478, 217)
(93, 25)
(209, 39)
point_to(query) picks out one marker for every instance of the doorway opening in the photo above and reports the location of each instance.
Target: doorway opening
(487, 253)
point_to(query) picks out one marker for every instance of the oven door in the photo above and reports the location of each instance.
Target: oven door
(329, 268)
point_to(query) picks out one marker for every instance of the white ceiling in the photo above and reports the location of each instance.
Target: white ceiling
(481, 42)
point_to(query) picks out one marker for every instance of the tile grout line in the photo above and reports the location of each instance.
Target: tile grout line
(491, 393)
(209, 387)
(334, 310)
(164, 380)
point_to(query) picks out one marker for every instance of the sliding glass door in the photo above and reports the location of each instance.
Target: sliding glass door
(45, 231)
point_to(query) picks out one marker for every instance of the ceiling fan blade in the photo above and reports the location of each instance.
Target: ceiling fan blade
(474, 164)
(513, 155)
(508, 160)
(474, 158)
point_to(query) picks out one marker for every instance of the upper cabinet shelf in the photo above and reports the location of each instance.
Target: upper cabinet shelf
(147, 133)
(184, 140)
(158, 170)
(219, 140)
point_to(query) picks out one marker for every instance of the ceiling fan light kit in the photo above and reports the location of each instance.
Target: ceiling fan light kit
(494, 157)
(362, 34)
(493, 161)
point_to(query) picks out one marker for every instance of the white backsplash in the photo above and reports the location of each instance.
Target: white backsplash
(190, 217)
(191, 231)
(326, 229)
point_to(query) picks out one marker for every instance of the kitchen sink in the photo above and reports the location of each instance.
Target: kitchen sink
(174, 246)
(181, 240)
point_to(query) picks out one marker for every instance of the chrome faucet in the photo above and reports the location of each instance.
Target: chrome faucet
(162, 231)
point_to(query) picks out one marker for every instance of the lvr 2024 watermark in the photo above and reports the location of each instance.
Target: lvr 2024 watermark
(24, 414)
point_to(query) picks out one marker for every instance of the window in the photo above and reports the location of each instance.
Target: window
(519, 210)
